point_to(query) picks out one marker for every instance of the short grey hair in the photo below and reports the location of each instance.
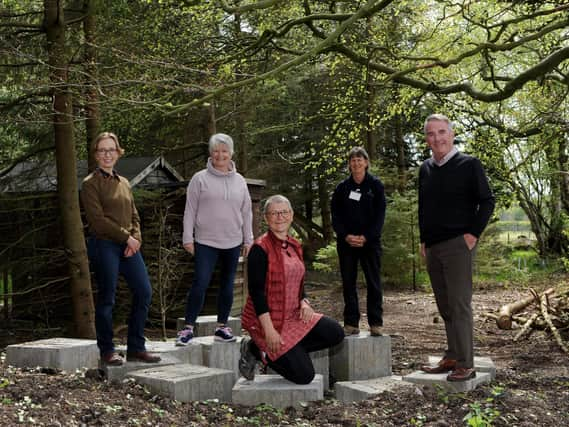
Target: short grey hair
(220, 138)
(277, 198)
(438, 118)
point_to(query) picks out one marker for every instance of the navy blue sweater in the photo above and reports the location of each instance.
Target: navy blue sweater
(364, 217)
(454, 199)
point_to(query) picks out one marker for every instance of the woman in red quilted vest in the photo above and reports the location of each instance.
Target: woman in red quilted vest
(283, 326)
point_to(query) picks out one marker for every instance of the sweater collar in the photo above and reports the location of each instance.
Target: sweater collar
(446, 158)
(216, 172)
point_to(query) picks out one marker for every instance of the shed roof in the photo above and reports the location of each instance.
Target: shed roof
(41, 176)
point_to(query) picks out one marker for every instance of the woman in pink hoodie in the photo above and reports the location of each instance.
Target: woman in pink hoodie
(217, 227)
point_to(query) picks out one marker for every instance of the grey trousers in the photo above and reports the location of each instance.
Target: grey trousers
(449, 265)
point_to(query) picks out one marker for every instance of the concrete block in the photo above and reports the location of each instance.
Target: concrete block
(205, 325)
(274, 390)
(355, 391)
(321, 362)
(361, 357)
(192, 353)
(187, 383)
(222, 355)
(481, 364)
(68, 354)
(420, 377)
(167, 350)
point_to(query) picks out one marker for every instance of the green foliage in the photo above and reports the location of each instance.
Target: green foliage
(418, 420)
(400, 240)
(479, 416)
(326, 259)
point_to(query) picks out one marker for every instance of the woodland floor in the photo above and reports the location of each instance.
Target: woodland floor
(531, 386)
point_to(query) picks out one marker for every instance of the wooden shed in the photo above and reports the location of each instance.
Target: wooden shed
(32, 259)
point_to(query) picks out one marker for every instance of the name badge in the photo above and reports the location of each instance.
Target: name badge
(354, 195)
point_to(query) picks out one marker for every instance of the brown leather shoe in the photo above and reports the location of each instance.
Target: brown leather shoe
(112, 359)
(443, 366)
(143, 356)
(461, 374)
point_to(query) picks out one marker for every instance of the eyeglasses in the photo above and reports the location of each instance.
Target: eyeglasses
(104, 152)
(275, 214)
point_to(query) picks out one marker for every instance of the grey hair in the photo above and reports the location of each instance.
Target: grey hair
(277, 198)
(220, 138)
(438, 118)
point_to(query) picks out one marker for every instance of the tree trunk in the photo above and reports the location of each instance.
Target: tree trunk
(325, 212)
(401, 158)
(92, 120)
(73, 240)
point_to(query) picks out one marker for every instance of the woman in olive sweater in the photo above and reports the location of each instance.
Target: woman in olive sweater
(114, 247)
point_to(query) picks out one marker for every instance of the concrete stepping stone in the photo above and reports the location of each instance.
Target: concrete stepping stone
(186, 382)
(420, 377)
(485, 372)
(222, 355)
(67, 354)
(170, 354)
(205, 325)
(355, 391)
(361, 357)
(481, 364)
(321, 362)
(274, 390)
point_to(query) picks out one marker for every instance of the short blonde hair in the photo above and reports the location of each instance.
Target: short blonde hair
(106, 135)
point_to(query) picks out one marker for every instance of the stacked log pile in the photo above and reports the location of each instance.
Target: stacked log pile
(547, 311)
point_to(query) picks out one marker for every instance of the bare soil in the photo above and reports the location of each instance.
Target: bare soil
(531, 387)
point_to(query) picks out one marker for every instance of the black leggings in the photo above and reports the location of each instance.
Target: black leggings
(295, 365)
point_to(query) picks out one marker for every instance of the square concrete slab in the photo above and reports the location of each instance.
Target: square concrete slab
(361, 357)
(187, 383)
(420, 377)
(355, 391)
(167, 350)
(481, 364)
(222, 355)
(68, 354)
(274, 390)
(321, 363)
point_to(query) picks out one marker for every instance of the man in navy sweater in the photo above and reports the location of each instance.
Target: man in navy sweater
(455, 204)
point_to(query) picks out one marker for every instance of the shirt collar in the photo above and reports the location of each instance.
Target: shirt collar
(446, 158)
(105, 174)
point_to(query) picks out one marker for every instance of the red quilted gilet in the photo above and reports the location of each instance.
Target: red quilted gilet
(275, 286)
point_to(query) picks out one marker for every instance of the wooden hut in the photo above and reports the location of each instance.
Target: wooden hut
(32, 258)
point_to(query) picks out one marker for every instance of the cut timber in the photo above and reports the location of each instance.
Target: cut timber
(506, 312)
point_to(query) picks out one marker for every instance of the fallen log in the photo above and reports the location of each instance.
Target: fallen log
(504, 320)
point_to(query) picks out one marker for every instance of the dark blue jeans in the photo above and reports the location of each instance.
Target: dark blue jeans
(107, 261)
(369, 257)
(204, 263)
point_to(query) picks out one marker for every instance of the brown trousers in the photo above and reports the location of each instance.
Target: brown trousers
(449, 264)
